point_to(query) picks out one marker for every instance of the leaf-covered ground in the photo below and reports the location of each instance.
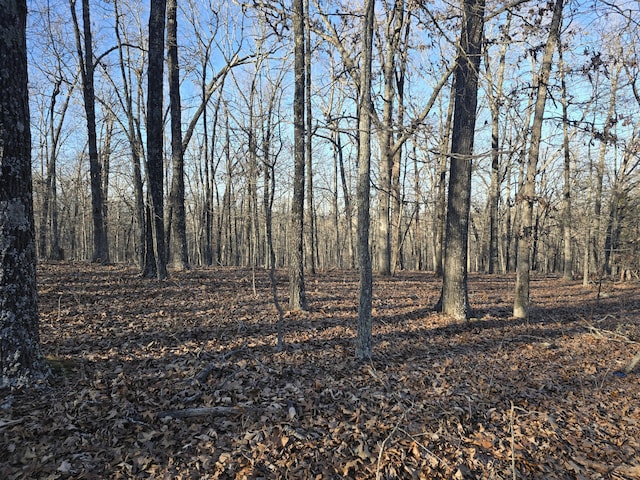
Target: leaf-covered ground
(180, 379)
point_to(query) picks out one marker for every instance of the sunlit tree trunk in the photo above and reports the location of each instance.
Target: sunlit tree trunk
(363, 335)
(454, 299)
(21, 361)
(527, 195)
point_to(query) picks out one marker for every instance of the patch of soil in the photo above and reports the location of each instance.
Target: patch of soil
(180, 379)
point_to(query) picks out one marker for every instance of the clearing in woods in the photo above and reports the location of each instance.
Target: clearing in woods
(180, 379)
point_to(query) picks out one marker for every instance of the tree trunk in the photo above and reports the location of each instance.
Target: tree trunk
(363, 335)
(86, 61)
(495, 100)
(525, 243)
(567, 266)
(454, 300)
(21, 361)
(155, 157)
(179, 222)
(312, 239)
(440, 216)
(297, 294)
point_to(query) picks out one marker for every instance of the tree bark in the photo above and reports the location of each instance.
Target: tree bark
(21, 361)
(297, 294)
(179, 222)
(363, 335)
(312, 237)
(527, 197)
(155, 160)
(454, 300)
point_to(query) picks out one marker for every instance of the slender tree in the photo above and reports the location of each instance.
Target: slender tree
(21, 361)
(527, 197)
(155, 159)
(297, 294)
(363, 336)
(454, 299)
(87, 68)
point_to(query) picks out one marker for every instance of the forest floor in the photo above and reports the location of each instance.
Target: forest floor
(180, 379)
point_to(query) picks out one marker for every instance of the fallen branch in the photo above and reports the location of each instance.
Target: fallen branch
(9, 423)
(204, 374)
(202, 412)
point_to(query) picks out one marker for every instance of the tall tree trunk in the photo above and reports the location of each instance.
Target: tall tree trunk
(396, 194)
(454, 300)
(567, 266)
(312, 240)
(87, 67)
(495, 100)
(135, 143)
(597, 239)
(297, 294)
(21, 361)
(363, 335)
(179, 222)
(395, 19)
(346, 195)
(440, 217)
(528, 195)
(155, 157)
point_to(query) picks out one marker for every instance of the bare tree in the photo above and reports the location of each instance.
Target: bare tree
(297, 293)
(87, 67)
(363, 336)
(527, 197)
(179, 221)
(155, 159)
(454, 299)
(21, 361)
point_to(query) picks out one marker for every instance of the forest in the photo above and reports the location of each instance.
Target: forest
(319, 239)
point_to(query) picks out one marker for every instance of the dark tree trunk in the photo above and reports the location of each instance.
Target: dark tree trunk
(155, 164)
(21, 362)
(363, 335)
(87, 66)
(454, 299)
(179, 222)
(297, 294)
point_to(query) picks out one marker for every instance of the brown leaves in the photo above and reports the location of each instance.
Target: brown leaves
(179, 379)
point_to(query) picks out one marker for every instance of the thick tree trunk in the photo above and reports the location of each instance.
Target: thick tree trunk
(179, 222)
(297, 294)
(527, 197)
(454, 299)
(363, 335)
(155, 157)
(21, 362)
